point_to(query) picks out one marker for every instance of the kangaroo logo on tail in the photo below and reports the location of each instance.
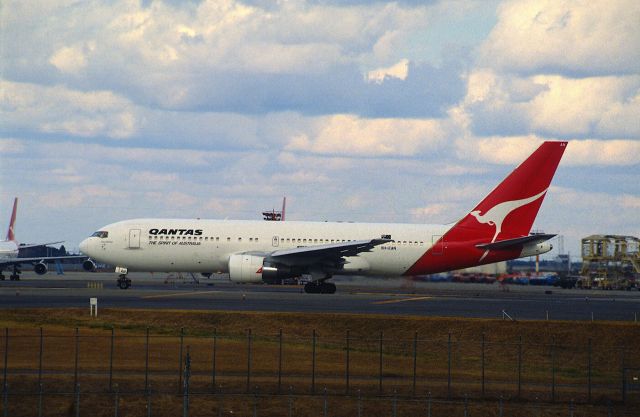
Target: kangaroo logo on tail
(496, 215)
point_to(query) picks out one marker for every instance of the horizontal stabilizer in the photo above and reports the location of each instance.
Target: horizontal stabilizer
(515, 243)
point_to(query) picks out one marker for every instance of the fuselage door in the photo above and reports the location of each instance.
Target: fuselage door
(275, 241)
(134, 238)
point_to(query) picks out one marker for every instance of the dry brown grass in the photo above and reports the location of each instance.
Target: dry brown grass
(501, 353)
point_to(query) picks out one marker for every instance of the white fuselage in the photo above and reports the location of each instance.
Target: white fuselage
(193, 245)
(8, 249)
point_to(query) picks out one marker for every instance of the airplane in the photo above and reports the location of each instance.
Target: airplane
(9, 249)
(497, 229)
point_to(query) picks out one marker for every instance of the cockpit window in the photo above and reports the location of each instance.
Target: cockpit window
(101, 234)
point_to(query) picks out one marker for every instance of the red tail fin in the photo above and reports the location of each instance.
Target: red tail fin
(507, 212)
(12, 222)
(510, 209)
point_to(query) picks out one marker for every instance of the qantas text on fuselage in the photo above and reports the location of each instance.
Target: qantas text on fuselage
(497, 229)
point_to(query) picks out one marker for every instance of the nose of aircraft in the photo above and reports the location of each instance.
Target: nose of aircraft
(84, 246)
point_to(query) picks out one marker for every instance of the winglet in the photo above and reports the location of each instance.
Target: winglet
(10, 233)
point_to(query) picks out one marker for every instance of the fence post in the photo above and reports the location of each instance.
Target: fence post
(279, 360)
(429, 404)
(359, 403)
(5, 400)
(149, 401)
(40, 357)
(117, 402)
(111, 361)
(589, 372)
(75, 368)
(325, 408)
(180, 359)
(290, 401)
(40, 394)
(380, 367)
(553, 369)
(415, 363)
(77, 395)
(482, 361)
(520, 366)
(449, 366)
(313, 363)
(6, 358)
(346, 381)
(571, 408)
(395, 402)
(255, 401)
(185, 388)
(146, 362)
(213, 361)
(622, 371)
(248, 361)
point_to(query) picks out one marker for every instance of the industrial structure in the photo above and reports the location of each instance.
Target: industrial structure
(610, 261)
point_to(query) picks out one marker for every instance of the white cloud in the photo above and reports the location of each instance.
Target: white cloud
(592, 37)
(13, 146)
(399, 70)
(69, 59)
(350, 135)
(498, 149)
(574, 106)
(431, 212)
(592, 152)
(552, 105)
(511, 150)
(61, 110)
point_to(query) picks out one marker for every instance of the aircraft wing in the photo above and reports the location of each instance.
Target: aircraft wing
(18, 261)
(331, 253)
(35, 245)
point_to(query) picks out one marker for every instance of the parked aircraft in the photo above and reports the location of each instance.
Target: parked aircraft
(9, 249)
(497, 229)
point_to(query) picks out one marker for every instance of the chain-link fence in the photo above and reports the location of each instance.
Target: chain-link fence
(39, 364)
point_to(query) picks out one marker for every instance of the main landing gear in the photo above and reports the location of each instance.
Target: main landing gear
(15, 276)
(320, 287)
(124, 282)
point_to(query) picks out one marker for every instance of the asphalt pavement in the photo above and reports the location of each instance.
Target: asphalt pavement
(355, 295)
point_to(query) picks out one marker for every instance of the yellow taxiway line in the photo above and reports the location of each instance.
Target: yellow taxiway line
(178, 294)
(401, 300)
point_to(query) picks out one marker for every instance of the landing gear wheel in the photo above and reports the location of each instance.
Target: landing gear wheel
(320, 288)
(124, 282)
(328, 288)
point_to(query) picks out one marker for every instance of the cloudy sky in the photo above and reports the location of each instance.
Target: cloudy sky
(409, 111)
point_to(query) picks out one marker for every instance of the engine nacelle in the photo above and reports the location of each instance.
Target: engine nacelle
(533, 249)
(40, 268)
(245, 268)
(89, 266)
(253, 268)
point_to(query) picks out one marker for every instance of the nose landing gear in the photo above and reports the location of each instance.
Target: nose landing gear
(123, 282)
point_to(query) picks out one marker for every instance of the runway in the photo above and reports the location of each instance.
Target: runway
(354, 295)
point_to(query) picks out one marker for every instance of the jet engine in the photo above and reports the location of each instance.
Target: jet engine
(89, 265)
(533, 249)
(40, 268)
(254, 268)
